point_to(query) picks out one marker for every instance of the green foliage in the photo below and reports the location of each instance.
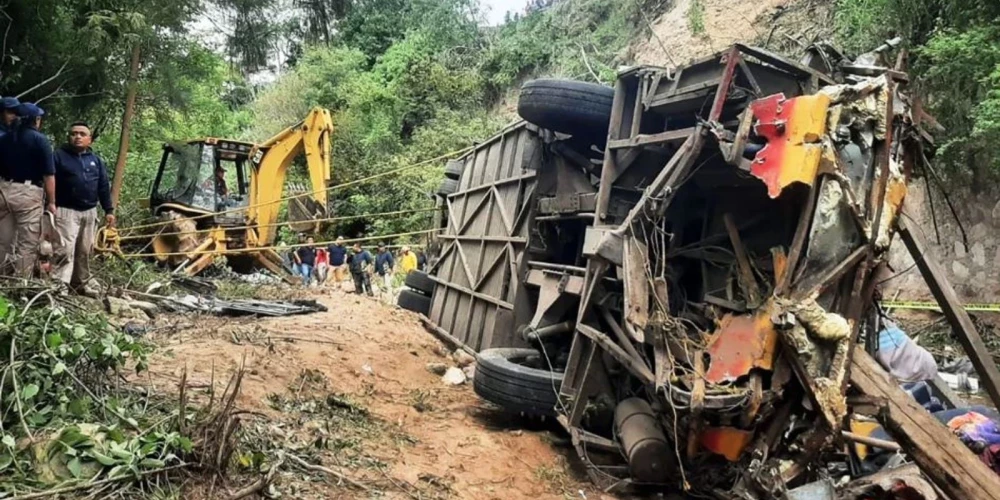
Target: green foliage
(955, 59)
(696, 17)
(552, 39)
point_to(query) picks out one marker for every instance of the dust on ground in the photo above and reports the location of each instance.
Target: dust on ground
(351, 387)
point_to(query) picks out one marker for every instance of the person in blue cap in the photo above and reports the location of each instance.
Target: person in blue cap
(27, 189)
(8, 114)
(81, 184)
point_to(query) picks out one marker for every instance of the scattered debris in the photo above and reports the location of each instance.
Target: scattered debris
(453, 376)
(463, 358)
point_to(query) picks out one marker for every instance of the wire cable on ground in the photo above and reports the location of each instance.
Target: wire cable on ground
(230, 251)
(300, 195)
(278, 224)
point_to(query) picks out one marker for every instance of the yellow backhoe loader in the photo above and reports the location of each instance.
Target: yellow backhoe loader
(221, 197)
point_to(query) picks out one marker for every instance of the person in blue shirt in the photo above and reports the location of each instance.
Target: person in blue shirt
(27, 189)
(359, 264)
(305, 257)
(81, 184)
(384, 265)
(8, 114)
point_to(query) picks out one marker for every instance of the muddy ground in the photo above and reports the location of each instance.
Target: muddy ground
(349, 389)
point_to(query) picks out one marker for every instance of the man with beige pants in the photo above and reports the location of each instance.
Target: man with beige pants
(81, 183)
(27, 189)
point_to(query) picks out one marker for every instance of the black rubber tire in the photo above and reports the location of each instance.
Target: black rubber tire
(419, 281)
(447, 187)
(568, 106)
(500, 380)
(413, 301)
(454, 168)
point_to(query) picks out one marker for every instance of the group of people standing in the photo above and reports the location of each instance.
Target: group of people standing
(330, 265)
(64, 185)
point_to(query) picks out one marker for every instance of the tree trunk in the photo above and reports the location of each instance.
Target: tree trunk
(133, 77)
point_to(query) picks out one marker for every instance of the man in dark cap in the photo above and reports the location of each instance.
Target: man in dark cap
(81, 183)
(27, 188)
(8, 114)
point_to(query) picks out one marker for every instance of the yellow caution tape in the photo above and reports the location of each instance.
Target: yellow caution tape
(933, 306)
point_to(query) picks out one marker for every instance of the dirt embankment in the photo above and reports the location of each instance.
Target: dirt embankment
(349, 389)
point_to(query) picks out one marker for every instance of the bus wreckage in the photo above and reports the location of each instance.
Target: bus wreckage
(692, 290)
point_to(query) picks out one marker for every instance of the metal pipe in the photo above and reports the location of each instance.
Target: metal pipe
(870, 441)
(543, 333)
(622, 337)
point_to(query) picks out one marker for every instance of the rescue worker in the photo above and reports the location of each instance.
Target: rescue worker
(81, 184)
(305, 256)
(360, 262)
(407, 261)
(338, 261)
(27, 189)
(8, 114)
(384, 263)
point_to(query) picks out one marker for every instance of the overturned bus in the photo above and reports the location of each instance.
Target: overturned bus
(683, 269)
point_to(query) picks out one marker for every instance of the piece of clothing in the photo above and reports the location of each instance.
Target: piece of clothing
(81, 180)
(975, 430)
(20, 225)
(422, 261)
(384, 263)
(76, 231)
(307, 256)
(338, 255)
(387, 283)
(322, 257)
(339, 273)
(408, 262)
(362, 283)
(360, 260)
(26, 156)
(905, 360)
(322, 271)
(306, 271)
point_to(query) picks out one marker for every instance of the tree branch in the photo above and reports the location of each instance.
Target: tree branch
(44, 82)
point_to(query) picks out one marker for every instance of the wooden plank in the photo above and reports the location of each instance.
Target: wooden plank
(938, 452)
(445, 336)
(953, 311)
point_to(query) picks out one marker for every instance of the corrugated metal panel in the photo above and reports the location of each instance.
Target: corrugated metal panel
(485, 236)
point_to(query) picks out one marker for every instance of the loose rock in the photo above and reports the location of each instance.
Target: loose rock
(437, 368)
(453, 376)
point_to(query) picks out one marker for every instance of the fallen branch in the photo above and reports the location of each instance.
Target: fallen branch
(84, 486)
(338, 475)
(260, 484)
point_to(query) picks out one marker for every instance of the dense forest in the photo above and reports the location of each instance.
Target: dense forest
(409, 80)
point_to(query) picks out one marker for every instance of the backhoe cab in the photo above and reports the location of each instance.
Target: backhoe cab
(222, 197)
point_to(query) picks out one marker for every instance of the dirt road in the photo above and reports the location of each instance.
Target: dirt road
(349, 389)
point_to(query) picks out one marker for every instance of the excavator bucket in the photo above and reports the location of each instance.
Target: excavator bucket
(305, 213)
